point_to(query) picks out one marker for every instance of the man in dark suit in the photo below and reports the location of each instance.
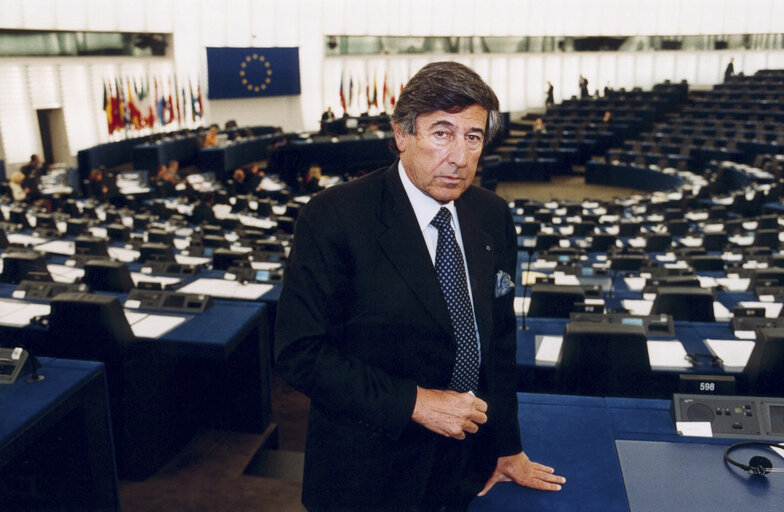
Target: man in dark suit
(413, 406)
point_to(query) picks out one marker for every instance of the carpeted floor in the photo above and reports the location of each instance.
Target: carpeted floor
(208, 475)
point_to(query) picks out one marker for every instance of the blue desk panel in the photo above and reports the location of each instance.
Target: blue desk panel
(56, 449)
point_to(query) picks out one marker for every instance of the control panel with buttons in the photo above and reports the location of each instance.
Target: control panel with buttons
(733, 416)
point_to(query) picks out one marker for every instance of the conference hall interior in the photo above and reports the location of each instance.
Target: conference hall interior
(154, 159)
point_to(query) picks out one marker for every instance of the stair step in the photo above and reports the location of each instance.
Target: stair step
(280, 464)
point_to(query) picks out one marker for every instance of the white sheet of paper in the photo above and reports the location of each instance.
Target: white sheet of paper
(227, 289)
(191, 260)
(155, 326)
(721, 313)
(566, 279)
(64, 273)
(638, 307)
(667, 354)
(734, 284)
(694, 428)
(62, 247)
(521, 305)
(734, 353)
(548, 349)
(163, 280)
(20, 314)
(124, 255)
(264, 265)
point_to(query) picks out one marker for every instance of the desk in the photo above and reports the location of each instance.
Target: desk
(212, 370)
(583, 439)
(223, 160)
(55, 440)
(542, 378)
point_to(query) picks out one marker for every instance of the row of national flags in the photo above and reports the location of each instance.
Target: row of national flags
(359, 93)
(132, 104)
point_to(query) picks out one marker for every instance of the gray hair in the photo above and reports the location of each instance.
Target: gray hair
(448, 86)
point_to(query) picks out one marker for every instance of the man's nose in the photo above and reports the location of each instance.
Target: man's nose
(458, 152)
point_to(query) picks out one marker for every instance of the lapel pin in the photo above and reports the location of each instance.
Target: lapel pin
(487, 247)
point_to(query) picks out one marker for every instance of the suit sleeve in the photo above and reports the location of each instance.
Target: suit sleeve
(308, 340)
(507, 427)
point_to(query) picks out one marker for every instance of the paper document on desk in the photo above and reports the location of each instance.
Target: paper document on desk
(667, 354)
(772, 309)
(152, 326)
(635, 284)
(62, 247)
(64, 273)
(548, 349)
(721, 313)
(734, 283)
(163, 280)
(19, 313)
(191, 260)
(264, 265)
(638, 307)
(521, 305)
(124, 255)
(20, 239)
(227, 289)
(566, 279)
(734, 353)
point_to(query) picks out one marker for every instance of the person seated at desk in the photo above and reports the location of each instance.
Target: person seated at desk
(166, 181)
(328, 115)
(211, 139)
(310, 184)
(253, 176)
(18, 192)
(33, 167)
(101, 186)
(240, 184)
(202, 209)
(607, 117)
(539, 126)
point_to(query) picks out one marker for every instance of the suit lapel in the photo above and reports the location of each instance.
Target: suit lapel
(480, 256)
(406, 249)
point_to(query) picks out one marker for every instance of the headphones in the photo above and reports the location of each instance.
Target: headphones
(758, 465)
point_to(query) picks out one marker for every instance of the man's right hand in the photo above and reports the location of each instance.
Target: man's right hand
(449, 413)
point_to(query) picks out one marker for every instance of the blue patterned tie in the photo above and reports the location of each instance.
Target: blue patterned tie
(452, 277)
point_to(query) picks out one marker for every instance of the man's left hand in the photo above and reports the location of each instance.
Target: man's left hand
(522, 471)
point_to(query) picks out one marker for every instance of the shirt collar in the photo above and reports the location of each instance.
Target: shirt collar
(425, 207)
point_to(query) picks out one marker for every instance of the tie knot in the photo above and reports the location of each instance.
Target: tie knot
(443, 219)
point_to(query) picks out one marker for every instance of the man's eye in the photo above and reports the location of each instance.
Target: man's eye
(441, 134)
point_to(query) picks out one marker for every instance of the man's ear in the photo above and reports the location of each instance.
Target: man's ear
(400, 138)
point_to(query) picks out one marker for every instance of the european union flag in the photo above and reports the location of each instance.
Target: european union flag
(252, 72)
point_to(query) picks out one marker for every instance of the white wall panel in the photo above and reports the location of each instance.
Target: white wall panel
(101, 15)
(751, 62)
(11, 14)
(663, 66)
(81, 108)
(42, 85)
(518, 83)
(666, 18)
(646, 12)
(536, 13)
(161, 14)
(17, 118)
(287, 22)
(571, 70)
(39, 14)
(262, 24)
(625, 71)
(534, 74)
(735, 12)
(238, 23)
(130, 17)
(554, 12)
(589, 67)
(70, 14)
(711, 16)
(758, 19)
(606, 74)
(686, 67)
(356, 13)
(689, 17)
(710, 67)
(213, 23)
(614, 15)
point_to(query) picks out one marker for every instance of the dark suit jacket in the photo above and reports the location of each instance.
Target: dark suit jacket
(362, 321)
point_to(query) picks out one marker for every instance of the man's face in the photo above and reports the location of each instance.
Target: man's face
(440, 160)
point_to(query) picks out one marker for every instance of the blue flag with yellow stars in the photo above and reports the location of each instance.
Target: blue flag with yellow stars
(252, 72)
